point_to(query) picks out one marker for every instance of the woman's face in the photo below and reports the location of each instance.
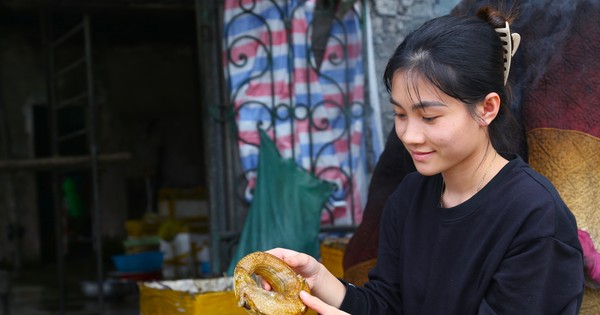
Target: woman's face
(438, 130)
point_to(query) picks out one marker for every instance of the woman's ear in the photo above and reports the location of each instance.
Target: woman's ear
(489, 108)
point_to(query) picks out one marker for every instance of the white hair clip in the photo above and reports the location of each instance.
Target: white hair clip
(510, 43)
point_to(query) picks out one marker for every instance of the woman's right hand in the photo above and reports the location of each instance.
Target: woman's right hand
(303, 264)
(323, 284)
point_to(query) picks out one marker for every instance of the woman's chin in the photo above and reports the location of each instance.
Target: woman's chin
(427, 171)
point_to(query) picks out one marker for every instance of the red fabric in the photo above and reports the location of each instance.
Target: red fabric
(566, 92)
(591, 257)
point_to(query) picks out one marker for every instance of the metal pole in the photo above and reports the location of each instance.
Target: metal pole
(52, 123)
(13, 215)
(92, 112)
(209, 80)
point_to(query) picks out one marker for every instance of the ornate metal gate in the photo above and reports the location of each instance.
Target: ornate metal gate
(308, 98)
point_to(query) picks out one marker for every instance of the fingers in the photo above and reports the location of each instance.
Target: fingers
(264, 283)
(303, 264)
(283, 253)
(319, 306)
(293, 258)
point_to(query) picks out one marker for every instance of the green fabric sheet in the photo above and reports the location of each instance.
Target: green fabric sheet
(286, 207)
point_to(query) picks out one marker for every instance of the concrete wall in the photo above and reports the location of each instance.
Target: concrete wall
(21, 86)
(392, 20)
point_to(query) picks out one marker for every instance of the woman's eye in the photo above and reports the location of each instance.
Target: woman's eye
(399, 115)
(430, 119)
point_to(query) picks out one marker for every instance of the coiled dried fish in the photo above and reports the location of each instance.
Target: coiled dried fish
(284, 300)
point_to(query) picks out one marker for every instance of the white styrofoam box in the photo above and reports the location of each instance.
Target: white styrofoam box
(181, 249)
(184, 208)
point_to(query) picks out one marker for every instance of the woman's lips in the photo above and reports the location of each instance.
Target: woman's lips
(420, 156)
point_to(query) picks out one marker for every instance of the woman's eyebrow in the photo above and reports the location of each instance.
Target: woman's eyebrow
(419, 105)
(394, 102)
(426, 104)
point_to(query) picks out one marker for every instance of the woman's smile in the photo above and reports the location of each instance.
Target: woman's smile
(421, 156)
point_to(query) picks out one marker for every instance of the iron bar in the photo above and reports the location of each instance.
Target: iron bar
(60, 162)
(67, 35)
(72, 100)
(68, 68)
(72, 135)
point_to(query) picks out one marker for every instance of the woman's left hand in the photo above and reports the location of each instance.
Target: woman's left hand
(319, 306)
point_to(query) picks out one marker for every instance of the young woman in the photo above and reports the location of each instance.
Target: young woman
(475, 230)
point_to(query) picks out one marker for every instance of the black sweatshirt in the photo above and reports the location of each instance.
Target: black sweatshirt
(510, 249)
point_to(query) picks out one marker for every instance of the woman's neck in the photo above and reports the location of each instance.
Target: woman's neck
(461, 185)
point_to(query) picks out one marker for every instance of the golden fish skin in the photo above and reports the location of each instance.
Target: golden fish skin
(286, 285)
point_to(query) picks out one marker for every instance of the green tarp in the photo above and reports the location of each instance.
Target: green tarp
(286, 207)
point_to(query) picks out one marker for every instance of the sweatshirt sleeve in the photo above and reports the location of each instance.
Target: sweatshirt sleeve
(368, 301)
(541, 276)
(381, 294)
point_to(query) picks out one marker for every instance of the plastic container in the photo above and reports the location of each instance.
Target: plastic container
(189, 297)
(140, 262)
(204, 258)
(333, 259)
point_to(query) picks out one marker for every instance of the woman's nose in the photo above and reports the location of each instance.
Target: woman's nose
(410, 132)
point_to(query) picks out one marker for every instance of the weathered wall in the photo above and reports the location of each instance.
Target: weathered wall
(22, 86)
(392, 20)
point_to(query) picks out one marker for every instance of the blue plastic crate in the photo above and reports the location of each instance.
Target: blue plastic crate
(140, 262)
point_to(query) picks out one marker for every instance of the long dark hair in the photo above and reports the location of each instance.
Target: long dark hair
(463, 57)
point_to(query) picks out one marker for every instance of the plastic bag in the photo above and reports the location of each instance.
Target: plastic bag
(286, 208)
